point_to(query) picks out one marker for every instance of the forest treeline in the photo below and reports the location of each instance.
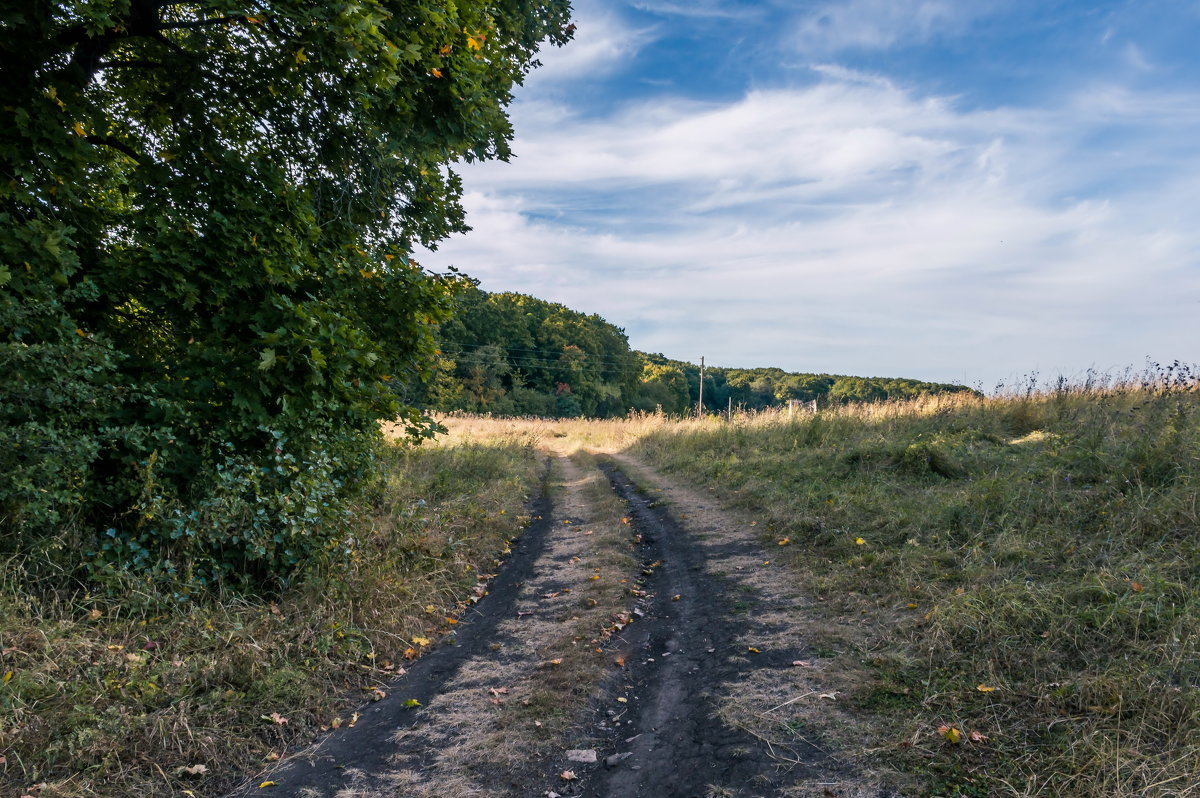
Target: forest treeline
(512, 354)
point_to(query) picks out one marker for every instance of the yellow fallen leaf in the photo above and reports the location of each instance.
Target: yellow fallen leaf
(266, 784)
(984, 688)
(622, 700)
(859, 541)
(753, 650)
(784, 541)
(421, 641)
(951, 734)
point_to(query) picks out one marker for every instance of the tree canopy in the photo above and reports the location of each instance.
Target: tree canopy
(206, 295)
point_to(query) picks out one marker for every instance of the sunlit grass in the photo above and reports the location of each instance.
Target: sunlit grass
(1045, 544)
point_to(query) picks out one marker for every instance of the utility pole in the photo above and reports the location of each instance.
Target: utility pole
(700, 406)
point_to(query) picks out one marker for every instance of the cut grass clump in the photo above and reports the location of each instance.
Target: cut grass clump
(138, 693)
(1028, 567)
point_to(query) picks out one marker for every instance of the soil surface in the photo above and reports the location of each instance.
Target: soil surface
(637, 642)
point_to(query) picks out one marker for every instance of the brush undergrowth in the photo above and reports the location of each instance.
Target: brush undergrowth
(1027, 569)
(136, 693)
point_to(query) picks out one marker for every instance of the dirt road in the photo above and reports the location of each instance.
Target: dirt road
(636, 642)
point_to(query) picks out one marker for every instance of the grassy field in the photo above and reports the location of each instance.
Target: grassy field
(1008, 589)
(1012, 585)
(139, 695)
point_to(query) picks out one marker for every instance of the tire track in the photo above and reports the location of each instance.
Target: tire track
(680, 655)
(326, 766)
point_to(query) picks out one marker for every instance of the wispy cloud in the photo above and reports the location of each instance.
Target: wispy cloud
(603, 42)
(853, 224)
(881, 24)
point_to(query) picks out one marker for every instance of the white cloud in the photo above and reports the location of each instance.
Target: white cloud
(882, 24)
(854, 226)
(602, 43)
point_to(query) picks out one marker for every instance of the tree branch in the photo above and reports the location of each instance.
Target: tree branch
(131, 63)
(200, 23)
(117, 145)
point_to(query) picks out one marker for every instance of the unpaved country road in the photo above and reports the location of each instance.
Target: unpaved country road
(634, 620)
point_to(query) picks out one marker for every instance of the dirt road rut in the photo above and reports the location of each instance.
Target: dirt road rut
(637, 642)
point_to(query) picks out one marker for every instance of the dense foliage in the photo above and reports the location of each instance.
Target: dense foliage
(516, 355)
(512, 354)
(206, 300)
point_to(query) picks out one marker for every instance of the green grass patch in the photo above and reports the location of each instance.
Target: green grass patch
(118, 695)
(1029, 568)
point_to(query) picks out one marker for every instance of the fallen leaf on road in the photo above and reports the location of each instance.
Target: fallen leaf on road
(567, 775)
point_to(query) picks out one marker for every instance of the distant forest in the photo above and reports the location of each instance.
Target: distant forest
(512, 354)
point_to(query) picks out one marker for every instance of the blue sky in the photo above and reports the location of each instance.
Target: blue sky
(959, 190)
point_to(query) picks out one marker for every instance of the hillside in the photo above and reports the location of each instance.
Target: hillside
(515, 355)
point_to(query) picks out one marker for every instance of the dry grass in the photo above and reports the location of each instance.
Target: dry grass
(1022, 567)
(114, 696)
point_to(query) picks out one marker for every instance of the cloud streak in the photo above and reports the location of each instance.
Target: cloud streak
(854, 225)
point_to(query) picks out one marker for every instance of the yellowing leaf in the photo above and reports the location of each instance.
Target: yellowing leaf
(437, 73)
(983, 688)
(410, 703)
(784, 541)
(266, 784)
(8, 676)
(444, 49)
(300, 56)
(421, 641)
(451, 621)
(951, 734)
(753, 650)
(859, 541)
(79, 131)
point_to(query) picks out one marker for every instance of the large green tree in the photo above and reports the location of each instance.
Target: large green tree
(206, 214)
